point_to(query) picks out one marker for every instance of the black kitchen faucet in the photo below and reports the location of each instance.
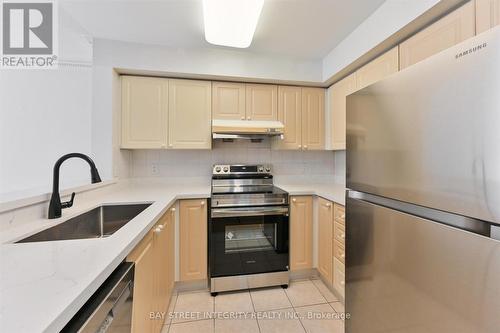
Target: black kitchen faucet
(56, 205)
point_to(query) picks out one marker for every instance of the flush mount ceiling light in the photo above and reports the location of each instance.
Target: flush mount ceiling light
(231, 22)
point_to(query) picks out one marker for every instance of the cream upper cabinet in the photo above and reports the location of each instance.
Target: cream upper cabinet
(189, 114)
(290, 114)
(337, 94)
(193, 239)
(144, 112)
(228, 100)
(301, 229)
(325, 239)
(448, 31)
(261, 102)
(487, 14)
(313, 118)
(377, 69)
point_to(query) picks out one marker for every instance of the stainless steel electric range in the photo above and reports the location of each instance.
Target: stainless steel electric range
(248, 229)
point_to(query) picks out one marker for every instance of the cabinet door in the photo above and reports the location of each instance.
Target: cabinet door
(170, 230)
(228, 100)
(193, 240)
(313, 118)
(261, 102)
(377, 69)
(189, 114)
(337, 94)
(487, 14)
(290, 114)
(448, 31)
(339, 277)
(144, 301)
(144, 112)
(325, 239)
(162, 249)
(301, 229)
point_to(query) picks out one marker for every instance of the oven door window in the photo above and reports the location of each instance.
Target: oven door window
(250, 237)
(247, 245)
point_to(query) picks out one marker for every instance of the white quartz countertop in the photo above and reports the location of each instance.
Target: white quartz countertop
(330, 191)
(43, 284)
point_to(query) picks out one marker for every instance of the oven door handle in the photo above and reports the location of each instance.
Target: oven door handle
(255, 211)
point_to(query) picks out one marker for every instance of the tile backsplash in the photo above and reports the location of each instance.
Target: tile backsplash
(288, 165)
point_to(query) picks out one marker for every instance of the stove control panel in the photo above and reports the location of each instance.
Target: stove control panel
(226, 169)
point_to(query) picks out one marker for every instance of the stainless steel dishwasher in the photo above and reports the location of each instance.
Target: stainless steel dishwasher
(110, 308)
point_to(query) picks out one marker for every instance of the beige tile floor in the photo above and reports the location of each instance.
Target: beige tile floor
(306, 306)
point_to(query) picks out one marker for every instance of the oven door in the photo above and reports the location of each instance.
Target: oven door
(248, 240)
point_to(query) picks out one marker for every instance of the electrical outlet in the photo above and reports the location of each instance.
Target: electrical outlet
(154, 169)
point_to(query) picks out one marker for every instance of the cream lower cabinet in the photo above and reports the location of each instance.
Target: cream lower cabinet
(337, 94)
(487, 14)
(301, 233)
(143, 305)
(325, 239)
(144, 112)
(339, 253)
(189, 114)
(154, 260)
(164, 247)
(193, 255)
(444, 33)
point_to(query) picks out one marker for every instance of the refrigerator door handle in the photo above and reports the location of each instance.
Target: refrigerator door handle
(453, 220)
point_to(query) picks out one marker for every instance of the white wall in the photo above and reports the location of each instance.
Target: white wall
(389, 18)
(288, 166)
(204, 61)
(44, 114)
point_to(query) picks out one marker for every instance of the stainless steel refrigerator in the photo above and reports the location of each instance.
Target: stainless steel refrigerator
(423, 199)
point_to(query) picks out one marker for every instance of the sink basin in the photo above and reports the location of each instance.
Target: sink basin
(99, 222)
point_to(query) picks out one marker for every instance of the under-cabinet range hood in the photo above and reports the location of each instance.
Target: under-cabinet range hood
(246, 129)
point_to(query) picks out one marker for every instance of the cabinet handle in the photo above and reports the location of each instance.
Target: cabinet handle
(342, 283)
(294, 200)
(157, 230)
(305, 147)
(202, 203)
(300, 146)
(172, 209)
(342, 256)
(170, 145)
(248, 118)
(328, 205)
(342, 216)
(161, 226)
(342, 236)
(242, 118)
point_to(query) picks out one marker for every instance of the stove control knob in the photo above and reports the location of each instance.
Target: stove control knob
(225, 169)
(261, 169)
(268, 169)
(217, 169)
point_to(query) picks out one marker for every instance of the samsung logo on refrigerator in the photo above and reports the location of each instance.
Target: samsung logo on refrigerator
(471, 50)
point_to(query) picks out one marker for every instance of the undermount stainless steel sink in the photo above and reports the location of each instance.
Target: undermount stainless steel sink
(99, 222)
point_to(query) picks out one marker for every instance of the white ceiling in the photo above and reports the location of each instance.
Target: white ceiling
(302, 29)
